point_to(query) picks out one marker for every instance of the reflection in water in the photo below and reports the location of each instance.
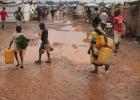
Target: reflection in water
(96, 88)
(31, 83)
(67, 78)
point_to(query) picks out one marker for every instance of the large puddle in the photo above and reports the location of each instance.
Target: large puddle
(68, 77)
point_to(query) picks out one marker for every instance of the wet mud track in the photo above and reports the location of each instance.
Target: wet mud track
(69, 77)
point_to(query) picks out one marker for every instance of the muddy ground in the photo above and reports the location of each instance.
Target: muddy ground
(68, 77)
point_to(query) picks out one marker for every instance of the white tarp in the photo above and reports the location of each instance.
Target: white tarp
(19, 1)
(79, 9)
(11, 8)
(91, 5)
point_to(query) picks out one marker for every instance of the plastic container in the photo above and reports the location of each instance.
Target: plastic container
(105, 55)
(110, 43)
(9, 56)
(100, 41)
(94, 34)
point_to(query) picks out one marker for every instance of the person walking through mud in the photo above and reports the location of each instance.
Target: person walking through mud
(47, 13)
(94, 49)
(52, 13)
(20, 43)
(3, 15)
(19, 16)
(45, 46)
(96, 18)
(104, 19)
(88, 12)
(39, 13)
(118, 21)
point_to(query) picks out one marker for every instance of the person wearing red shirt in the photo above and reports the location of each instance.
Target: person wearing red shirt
(118, 29)
(3, 15)
(110, 17)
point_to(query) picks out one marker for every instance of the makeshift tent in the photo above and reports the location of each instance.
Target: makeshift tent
(91, 5)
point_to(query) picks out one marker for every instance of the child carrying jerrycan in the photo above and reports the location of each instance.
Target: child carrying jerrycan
(100, 49)
(20, 44)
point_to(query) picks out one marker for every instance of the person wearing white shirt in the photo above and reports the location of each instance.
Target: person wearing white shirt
(16, 48)
(104, 18)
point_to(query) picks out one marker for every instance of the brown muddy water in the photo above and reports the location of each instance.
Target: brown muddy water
(68, 77)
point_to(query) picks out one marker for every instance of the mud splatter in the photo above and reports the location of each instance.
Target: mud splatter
(74, 46)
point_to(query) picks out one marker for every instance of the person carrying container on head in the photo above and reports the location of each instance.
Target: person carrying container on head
(19, 16)
(3, 15)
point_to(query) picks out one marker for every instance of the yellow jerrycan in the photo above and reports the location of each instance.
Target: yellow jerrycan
(94, 34)
(100, 41)
(110, 43)
(9, 56)
(105, 55)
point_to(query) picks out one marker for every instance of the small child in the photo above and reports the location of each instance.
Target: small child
(17, 49)
(118, 29)
(44, 45)
(94, 50)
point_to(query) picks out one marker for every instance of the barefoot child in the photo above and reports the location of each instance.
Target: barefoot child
(18, 49)
(44, 44)
(94, 49)
(118, 29)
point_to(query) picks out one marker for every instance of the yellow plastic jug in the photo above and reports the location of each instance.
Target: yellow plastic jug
(9, 56)
(110, 43)
(100, 41)
(94, 34)
(105, 55)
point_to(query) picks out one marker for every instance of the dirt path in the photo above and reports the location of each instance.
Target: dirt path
(68, 77)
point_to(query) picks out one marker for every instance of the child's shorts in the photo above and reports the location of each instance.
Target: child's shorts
(117, 37)
(45, 47)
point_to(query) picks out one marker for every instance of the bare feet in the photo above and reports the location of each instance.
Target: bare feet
(17, 65)
(48, 61)
(94, 71)
(21, 67)
(106, 67)
(115, 51)
(38, 62)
